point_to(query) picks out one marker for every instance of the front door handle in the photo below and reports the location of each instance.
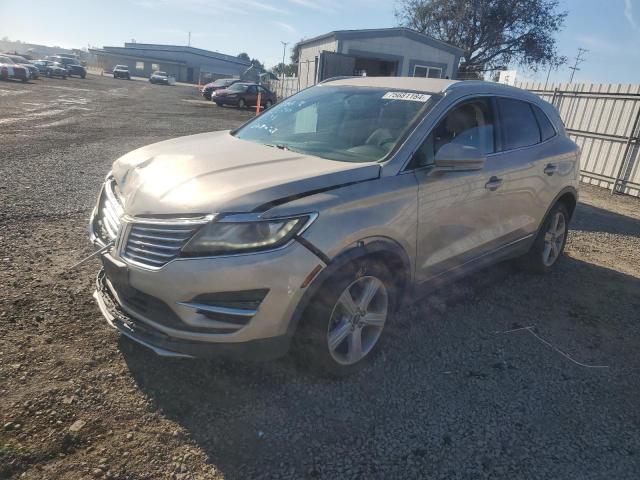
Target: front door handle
(550, 169)
(493, 183)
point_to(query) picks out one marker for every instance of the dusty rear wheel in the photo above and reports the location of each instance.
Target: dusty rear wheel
(343, 325)
(550, 241)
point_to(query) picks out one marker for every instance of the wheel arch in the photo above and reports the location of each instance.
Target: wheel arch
(380, 249)
(568, 196)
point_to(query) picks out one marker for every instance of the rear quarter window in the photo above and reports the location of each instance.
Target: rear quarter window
(519, 124)
(546, 128)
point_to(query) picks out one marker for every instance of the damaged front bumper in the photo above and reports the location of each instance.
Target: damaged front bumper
(165, 346)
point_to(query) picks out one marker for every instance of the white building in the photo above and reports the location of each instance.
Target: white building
(376, 52)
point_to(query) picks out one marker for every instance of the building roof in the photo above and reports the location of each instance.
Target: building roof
(387, 32)
(129, 48)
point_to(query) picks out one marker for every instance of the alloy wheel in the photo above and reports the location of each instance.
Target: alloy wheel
(554, 239)
(357, 320)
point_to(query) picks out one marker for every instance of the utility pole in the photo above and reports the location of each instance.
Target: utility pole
(579, 60)
(284, 53)
(189, 42)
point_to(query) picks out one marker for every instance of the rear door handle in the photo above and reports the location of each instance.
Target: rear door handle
(493, 183)
(550, 169)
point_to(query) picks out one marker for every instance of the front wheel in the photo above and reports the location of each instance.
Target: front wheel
(344, 322)
(242, 103)
(268, 104)
(219, 104)
(550, 241)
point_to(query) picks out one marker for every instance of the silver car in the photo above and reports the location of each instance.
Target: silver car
(310, 224)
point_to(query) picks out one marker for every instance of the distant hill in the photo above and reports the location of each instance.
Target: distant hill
(35, 51)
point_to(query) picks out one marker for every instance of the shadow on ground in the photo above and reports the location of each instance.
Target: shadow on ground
(447, 394)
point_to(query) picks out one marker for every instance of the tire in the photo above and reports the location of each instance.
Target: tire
(64, 77)
(327, 317)
(549, 244)
(219, 104)
(268, 104)
(242, 104)
(49, 73)
(25, 80)
(83, 76)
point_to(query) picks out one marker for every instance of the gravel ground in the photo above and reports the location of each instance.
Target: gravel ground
(450, 396)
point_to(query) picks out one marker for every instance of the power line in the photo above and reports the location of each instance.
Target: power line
(579, 60)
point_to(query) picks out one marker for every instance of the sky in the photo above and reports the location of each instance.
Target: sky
(609, 29)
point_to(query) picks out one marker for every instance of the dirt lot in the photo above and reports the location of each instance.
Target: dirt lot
(449, 397)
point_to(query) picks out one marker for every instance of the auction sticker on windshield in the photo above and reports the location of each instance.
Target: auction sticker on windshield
(408, 96)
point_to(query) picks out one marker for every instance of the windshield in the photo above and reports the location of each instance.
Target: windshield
(160, 74)
(339, 123)
(121, 67)
(4, 59)
(223, 82)
(18, 59)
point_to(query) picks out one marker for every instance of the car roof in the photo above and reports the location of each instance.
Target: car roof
(431, 85)
(436, 85)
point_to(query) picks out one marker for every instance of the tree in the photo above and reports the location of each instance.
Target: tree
(289, 70)
(244, 56)
(492, 33)
(295, 51)
(257, 63)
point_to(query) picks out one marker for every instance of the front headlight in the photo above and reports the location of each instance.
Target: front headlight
(243, 234)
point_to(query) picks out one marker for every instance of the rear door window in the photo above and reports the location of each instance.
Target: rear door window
(519, 124)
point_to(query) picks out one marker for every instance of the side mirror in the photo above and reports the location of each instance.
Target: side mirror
(453, 157)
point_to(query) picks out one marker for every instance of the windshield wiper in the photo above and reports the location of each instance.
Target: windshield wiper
(281, 146)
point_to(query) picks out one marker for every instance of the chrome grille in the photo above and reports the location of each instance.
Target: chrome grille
(109, 212)
(154, 244)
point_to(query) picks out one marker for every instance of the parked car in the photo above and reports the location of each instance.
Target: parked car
(121, 71)
(242, 95)
(51, 69)
(10, 70)
(71, 65)
(310, 224)
(34, 73)
(219, 84)
(162, 78)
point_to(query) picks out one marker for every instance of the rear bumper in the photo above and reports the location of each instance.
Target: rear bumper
(163, 345)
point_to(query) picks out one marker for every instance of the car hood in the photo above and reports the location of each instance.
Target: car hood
(217, 172)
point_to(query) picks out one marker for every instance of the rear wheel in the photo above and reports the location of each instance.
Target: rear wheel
(268, 104)
(344, 322)
(550, 241)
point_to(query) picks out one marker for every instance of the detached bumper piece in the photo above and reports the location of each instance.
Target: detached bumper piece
(165, 346)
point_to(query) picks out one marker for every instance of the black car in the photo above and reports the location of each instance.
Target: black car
(71, 65)
(34, 72)
(51, 69)
(121, 71)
